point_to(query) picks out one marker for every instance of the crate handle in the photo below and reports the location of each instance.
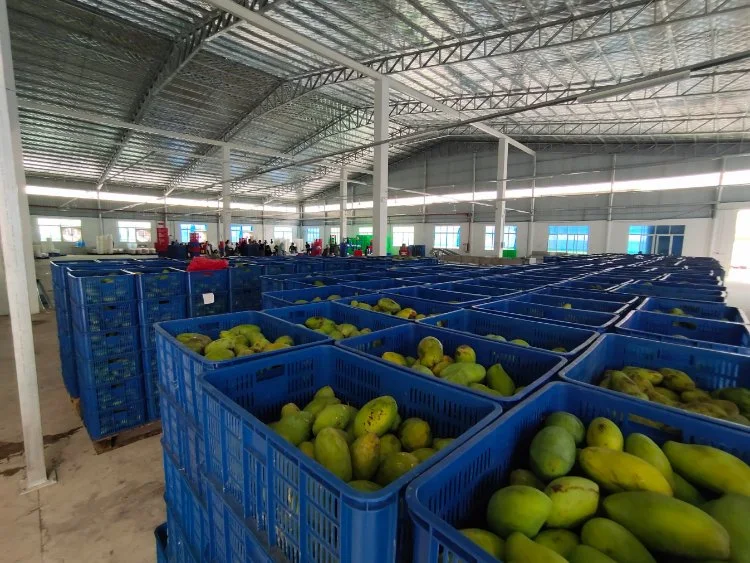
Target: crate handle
(686, 325)
(113, 333)
(163, 301)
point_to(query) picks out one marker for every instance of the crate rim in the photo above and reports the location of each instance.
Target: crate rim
(384, 495)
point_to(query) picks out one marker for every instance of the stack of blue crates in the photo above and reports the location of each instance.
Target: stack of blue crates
(161, 296)
(208, 292)
(244, 286)
(104, 314)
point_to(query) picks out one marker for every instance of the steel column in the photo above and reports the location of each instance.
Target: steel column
(610, 204)
(344, 187)
(532, 217)
(502, 184)
(15, 240)
(380, 171)
(226, 192)
(715, 209)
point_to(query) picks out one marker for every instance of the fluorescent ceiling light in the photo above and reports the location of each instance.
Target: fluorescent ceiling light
(629, 87)
(736, 177)
(669, 183)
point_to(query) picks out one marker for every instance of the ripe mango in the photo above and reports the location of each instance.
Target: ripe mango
(332, 452)
(709, 467)
(587, 554)
(499, 380)
(465, 354)
(394, 466)
(617, 471)
(419, 368)
(423, 454)
(653, 376)
(604, 433)
(388, 305)
(365, 453)
(669, 525)
(471, 373)
(376, 416)
(307, 448)
(440, 366)
(664, 396)
(287, 340)
(518, 508)
(645, 448)
(365, 486)
(677, 380)
(414, 434)
(685, 491)
(740, 396)
(552, 453)
(332, 416)
(407, 313)
(695, 395)
(569, 422)
(619, 381)
(520, 549)
(488, 541)
(289, 408)
(294, 428)
(394, 357)
(440, 443)
(731, 511)
(389, 444)
(559, 541)
(318, 404)
(574, 500)
(615, 541)
(484, 389)
(430, 351)
(219, 344)
(525, 477)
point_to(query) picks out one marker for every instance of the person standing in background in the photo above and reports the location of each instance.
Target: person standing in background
(221, 248)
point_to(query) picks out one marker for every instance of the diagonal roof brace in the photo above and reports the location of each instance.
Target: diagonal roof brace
(311, 45)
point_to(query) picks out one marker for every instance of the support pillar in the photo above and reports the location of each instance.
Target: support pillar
(344, 187)
(532, 210)
(715, 210)
(226, 193)
(15, 233)
(610, 204)
(502, 184)
(380, 171)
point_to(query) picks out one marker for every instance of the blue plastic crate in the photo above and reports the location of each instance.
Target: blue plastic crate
(542, 336)
(187, 510)
(102, 423)
(688, 331)
(152, 311)
(68, 371)
(383, 284)
(304, 265)
(672, 292)
(493, 291)
(105, 344)
(338, 313)
(201, 305)
(110, 370)
(697, 283)
(453, 494)
(180, 369)
(421, 306)
(509, 282)
(275, 299)
(244, 275)
(183, 438)
(231, 540)
(585, 284)
(92, 287)
(529, 367)
(559, 291)
(162, 538)
(115, 395)
(106, 316)
(208, 281)
(451, 297)
(151, 383)
(701, 309)
(556, 315)
(306, 281)
(276, 268)
(438, 278)
(709, 369)
(268, 483)
(248, 299)
(610, 307)
(707, 279)
(152, 283)
(276, 282)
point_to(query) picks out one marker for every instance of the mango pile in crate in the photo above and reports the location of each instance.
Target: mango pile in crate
(591, 495)
(238, 341)
(675, 388)
(368, 447)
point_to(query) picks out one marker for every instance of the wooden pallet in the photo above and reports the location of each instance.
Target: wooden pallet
(122, 438)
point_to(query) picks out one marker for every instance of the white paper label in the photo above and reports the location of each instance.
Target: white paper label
(208, 298)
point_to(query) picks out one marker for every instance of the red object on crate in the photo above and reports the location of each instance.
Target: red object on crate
(162, 238)
(201, 263)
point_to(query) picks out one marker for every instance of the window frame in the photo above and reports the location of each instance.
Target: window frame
(285, 229)
(401, 231)
(444, 232)
(647, 237)
(366, 233)
(133, 228)
(186, 231)
(577, 234)
(336, 234)
(239, 229)
(61, 229)
(308, 238)
(508, 232)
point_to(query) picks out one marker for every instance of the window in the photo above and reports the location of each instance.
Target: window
(403, 234)
(509, 237)
(568, 239)
(447, 236)
(336, 234)
(367, 231)
(312, 234)
(282, 233)
(656, 239)
(59, 230)
(134, 231)
(238, 232)
(186, 229)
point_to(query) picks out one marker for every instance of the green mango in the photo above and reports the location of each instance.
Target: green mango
(365, 454)
(376, 416)
(365, 486)
(587, 554)
(219, 355)
(332, 416)
(472, 373)
(295, 427)
(559, 541)
(525, 477)
(394, 466)
(423, 454)
(552, 453)
(732, 511)
(389, 444)
(332, 452)
(414, 434)
(520, 549)
(488, 541)
(615, 541)
(518, 508)
(569, 422)
(318, 404)
(499, 380)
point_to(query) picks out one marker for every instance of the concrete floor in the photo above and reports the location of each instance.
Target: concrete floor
(103, 507)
